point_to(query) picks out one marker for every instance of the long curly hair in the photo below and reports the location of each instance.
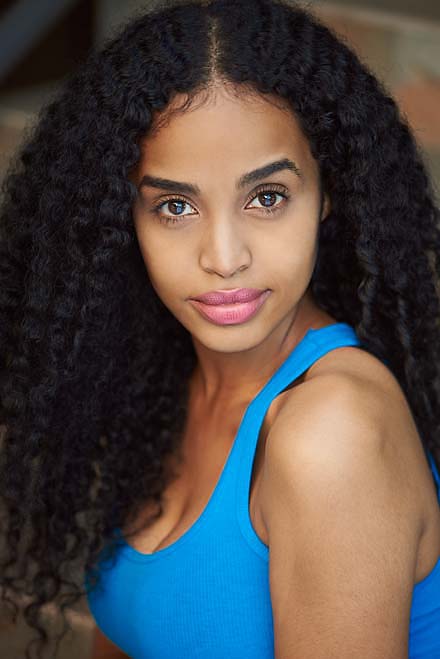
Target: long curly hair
(91, 361)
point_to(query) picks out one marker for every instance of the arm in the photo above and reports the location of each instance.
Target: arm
(103, 648)
(343, 529)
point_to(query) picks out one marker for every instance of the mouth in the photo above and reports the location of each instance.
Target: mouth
(229, 296)
(230, 313)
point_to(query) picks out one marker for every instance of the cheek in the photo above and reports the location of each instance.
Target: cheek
(164, 266)
(291, 258)
(290, 272)
(294, 247)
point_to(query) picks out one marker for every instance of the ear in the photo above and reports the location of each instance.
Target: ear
(326, 207)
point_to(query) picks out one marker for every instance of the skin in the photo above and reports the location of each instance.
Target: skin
(223, 237)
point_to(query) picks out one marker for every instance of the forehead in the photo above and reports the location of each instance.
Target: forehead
(219, 126)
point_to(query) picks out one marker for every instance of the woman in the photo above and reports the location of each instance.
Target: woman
(220, 344)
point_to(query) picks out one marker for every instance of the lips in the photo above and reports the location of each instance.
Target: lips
(231, 314)
(235, 296)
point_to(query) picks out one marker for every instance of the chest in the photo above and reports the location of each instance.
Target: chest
(205, 448)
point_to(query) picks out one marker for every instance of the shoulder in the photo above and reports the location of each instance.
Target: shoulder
(351, 400)
(345, 386)
(346, 430)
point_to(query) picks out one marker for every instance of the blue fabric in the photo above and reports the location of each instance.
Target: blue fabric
(207, 594)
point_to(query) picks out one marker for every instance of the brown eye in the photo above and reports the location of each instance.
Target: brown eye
(267, 197)
(176, 206)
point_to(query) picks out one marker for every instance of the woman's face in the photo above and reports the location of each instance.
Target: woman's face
(208, 224)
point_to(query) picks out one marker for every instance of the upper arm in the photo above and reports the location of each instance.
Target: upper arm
(343, 540)
(103, 648)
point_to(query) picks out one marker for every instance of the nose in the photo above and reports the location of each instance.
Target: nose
(223, 248)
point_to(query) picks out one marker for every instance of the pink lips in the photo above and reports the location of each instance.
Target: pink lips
(230, 307)
(229, 296)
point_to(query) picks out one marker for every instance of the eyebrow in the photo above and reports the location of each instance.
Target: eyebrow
(246, 179)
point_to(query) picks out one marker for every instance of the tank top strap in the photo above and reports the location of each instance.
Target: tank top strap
(315, 344)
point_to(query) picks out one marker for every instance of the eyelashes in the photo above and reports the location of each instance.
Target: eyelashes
(266, 190)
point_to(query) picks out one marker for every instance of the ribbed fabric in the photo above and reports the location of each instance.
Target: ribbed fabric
(206, 596)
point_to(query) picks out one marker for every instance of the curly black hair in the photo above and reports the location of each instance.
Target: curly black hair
(91, 361)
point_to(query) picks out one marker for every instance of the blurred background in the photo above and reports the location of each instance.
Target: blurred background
(42, 41)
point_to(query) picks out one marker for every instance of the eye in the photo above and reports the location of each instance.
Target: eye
(265, 194)
(176, 204)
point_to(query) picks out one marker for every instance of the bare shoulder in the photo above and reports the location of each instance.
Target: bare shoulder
(350, 383)
(349, 419)
(355, 391)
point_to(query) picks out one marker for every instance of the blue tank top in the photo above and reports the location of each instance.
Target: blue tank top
(206, 596)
